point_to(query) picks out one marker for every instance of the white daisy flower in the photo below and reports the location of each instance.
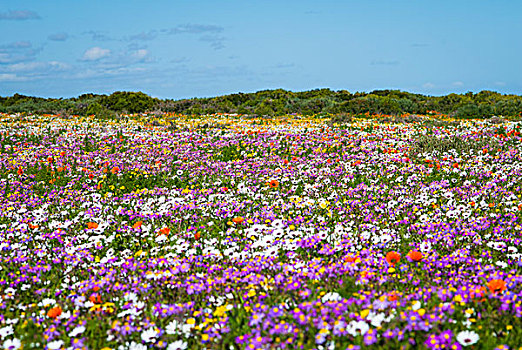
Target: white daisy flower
(466, 338)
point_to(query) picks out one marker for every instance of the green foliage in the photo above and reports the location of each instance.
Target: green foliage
(277, 102)
(130, 102)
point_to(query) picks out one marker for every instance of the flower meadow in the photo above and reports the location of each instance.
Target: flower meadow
(228, 232)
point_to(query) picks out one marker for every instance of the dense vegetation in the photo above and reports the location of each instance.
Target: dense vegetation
(277, 102)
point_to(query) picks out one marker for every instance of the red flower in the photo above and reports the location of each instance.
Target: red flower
(54, 312)
(91, 225)
(95, 298)
(238, 220)
(415, 255)
(393, 258)
(497, 286)
(164, 231)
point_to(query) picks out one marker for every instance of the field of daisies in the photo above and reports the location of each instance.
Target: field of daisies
(231, 232)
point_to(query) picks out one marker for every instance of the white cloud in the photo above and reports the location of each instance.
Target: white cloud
(458, 83)
(10, 77)
(38, 67)
(428, 86)
(140, 55)
(19, 15)
(95, 53)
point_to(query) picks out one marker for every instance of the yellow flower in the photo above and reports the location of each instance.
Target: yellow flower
(365, 313)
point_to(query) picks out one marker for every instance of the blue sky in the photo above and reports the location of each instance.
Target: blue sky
(190, 48)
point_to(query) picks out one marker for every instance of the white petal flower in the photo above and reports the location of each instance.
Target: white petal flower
(466, 338)
(12, 344)
(55, 345)
(177, 345)
(75, 332)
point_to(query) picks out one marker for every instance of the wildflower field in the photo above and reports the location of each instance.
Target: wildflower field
(227, 232)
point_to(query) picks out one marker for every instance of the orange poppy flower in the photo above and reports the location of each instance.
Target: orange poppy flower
(50, 159)
(20, 171)
(274, 184)
(95, 299)
(164, 231)
(197, 235)
(392, 297)
(54, 312)
(115, 169)
(415, 255)
(393, 258)
(91, 225)
(497, 286)
(31, 226)
(238, 220)
(62, 153)
(137, 224)
(350, 258)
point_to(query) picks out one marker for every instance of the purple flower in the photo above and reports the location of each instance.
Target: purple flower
(370, 337)
(445, 337)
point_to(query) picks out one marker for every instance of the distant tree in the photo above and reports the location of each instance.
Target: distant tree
(132, 102)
